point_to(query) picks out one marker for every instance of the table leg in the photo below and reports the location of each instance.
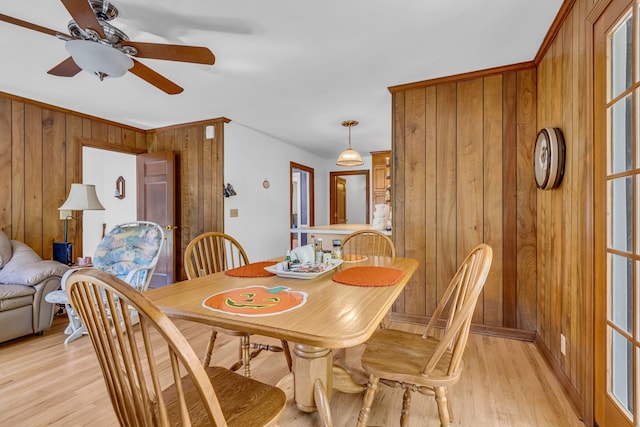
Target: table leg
(314, 378)
(312, 363)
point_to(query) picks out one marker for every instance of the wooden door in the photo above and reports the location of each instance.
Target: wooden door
(156, 191)
(617, 215)
(341, 200)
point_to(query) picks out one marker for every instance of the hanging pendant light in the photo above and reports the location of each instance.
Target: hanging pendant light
(349, 157)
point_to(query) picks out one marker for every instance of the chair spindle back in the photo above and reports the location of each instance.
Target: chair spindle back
(461, 297)
(129, 357)
(368, 243)
(211, 253)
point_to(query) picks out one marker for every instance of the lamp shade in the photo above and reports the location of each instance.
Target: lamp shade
(82, 197)
(97, 58)
(349, 157)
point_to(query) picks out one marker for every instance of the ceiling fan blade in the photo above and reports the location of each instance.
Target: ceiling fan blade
(67, 68)
(158, 80)
(29, 25)
(82, 13)
(173, 52)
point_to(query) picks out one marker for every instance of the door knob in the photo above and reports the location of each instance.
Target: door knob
(171, 227)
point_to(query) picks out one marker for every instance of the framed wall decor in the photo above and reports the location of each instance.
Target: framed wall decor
(548, 158)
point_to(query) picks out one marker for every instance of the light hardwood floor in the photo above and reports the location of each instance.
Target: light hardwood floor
(505, 383)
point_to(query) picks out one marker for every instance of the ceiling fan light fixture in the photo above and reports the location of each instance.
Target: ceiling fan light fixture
(349, 157)
(97, 58)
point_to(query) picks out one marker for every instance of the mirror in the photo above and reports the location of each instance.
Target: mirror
(349, 197)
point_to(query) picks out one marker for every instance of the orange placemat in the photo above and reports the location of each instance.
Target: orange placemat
(368, 276)
(252, 270)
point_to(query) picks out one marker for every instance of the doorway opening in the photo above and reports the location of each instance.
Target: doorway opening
(349, 200)
(147, 199)
(102, 168)
(302, 201)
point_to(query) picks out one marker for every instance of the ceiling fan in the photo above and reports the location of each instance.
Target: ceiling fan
(102, 49)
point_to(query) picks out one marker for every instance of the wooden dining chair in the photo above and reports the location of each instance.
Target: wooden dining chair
(213, 252)
(431, 362)
(153, 376)
(367, 243)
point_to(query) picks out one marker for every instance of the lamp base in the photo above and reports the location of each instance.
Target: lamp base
(63, 252)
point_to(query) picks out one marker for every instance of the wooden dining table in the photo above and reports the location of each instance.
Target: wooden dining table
(333, 316)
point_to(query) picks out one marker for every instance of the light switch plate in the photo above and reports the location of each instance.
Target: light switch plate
(208, 131)
(233, 213)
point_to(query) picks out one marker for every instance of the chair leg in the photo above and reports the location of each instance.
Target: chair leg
(322, 403)
(406, 408)
(245, 346)
(443, 407)
(75, 329)
(241, 356)
(372, 386)
(75, 334)
(212, 341)
(446, 393)
(287, 354)
(258, 348)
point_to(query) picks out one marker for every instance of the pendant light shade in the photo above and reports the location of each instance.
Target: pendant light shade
(349, 157)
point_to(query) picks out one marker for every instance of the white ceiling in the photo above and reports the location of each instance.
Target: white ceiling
(293, 70)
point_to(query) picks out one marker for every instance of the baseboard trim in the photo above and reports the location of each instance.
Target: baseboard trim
(494, 331)
(573, 395)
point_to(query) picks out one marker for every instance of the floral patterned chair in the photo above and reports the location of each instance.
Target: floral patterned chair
(129, 252)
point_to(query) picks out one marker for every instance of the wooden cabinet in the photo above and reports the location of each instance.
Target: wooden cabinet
(381, 171)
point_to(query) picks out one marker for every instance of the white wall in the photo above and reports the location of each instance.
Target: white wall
(262, 225)
(102, 168)
(356, 199)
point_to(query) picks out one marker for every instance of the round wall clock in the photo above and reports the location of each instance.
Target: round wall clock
(548, 158)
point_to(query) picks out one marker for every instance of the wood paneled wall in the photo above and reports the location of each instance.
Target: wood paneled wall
(199, 174)
(40, 157)
(463, 150)
(564, 216)
(462, 175)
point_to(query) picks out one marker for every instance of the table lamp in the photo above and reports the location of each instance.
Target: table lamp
(82, 197)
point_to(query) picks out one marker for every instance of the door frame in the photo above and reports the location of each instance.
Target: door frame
(604, 410)
(332, 192)
(312, 194)
(337, 195)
